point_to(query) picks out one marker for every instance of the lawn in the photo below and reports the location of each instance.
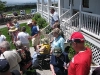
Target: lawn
(5, 32)
(27, 10)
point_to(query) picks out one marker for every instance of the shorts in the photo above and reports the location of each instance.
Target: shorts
(34, 41)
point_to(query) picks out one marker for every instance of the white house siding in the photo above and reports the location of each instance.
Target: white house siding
(94, 6)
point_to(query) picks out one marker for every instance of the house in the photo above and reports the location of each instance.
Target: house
(77, 15)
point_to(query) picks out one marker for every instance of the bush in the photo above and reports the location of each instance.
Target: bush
(71, 51)
(40, 21)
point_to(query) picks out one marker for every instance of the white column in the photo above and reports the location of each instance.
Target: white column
(80, 18)
(48, 9)
(38, 1)
(42, 7)
(59, 7)
(71, 9)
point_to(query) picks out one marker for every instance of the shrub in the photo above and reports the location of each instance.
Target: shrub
(71, 51)
(40, 21)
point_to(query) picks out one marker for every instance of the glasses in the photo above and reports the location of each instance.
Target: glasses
(76, 40)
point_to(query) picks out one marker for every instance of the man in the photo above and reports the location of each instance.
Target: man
(58, 62)
(11, 56)
(4, 68)
(2, 37)
(24, 37)
(80, 63)
(55, 17)
(34, 33)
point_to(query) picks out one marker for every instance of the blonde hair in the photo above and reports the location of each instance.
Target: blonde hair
(57, 31)
(45, 41)
(15, 20)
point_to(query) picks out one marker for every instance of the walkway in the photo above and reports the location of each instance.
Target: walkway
(21, 21)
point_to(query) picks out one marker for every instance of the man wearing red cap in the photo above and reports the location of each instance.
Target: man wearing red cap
(80, 63)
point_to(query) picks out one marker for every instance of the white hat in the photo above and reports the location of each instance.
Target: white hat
(18, 43)
(29, 22)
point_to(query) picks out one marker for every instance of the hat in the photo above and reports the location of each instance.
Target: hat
(77, 35)
(16, 72)
(12, 29)
(18, 43)
(57, 50)
(4, 65)
(29, 22)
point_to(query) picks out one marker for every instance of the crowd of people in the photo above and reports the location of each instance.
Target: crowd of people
(15, 62)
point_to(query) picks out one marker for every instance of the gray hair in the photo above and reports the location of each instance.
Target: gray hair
(5, 44)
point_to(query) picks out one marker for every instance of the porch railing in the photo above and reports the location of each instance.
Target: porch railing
(70, 25)
(91, 24)
(65, 15)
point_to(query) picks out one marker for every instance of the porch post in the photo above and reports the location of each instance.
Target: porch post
(59, 7)
(48, 9)
(80, 18)
(42, 6)
(38, 5)
(71, 9)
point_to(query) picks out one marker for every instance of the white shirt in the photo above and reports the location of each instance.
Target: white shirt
(23, 37)
(2, 38)
(54, 18)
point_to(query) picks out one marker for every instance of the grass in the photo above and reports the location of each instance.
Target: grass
(28, 11)
(5, 32)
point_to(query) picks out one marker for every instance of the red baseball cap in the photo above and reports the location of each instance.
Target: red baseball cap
(77, 35)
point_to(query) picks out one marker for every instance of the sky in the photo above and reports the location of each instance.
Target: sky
(21, 1)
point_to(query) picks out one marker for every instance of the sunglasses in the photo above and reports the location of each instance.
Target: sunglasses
(76, 41)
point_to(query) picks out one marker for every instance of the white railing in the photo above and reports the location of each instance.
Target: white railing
(71, 25)
(91, 24)
(45, 8)
(65, 16)
(63, 10)
(40, 7)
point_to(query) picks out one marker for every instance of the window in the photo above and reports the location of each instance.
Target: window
(72, 2)
(85, 3)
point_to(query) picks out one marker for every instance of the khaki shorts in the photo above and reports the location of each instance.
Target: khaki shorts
(34, 41)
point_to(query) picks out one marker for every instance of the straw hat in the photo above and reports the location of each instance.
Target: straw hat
(12, 29)
(45, 41)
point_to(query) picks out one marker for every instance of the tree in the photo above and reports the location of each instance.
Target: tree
(2, 5)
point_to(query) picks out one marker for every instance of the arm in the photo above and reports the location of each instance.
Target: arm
(34, 36)
(42, 48)
(52, 69)
(62, 44)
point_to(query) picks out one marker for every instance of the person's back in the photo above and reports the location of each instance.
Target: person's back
(13, 58)
(23, 37)
(46, 50)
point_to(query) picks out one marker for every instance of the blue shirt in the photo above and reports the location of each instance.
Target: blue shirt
(58, 63)
(34, 30)
(58, 42)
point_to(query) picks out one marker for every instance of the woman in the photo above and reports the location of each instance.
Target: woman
(58, 40)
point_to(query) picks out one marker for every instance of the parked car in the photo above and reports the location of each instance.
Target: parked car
(33, 11)
(22, 12)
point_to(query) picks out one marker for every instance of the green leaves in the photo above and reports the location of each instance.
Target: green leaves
(2, 5)
(41, 22)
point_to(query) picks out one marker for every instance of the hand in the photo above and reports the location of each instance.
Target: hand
(53, 73)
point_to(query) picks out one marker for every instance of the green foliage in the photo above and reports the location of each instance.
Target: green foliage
(71, 53)
(40, 21)
(2, 5)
